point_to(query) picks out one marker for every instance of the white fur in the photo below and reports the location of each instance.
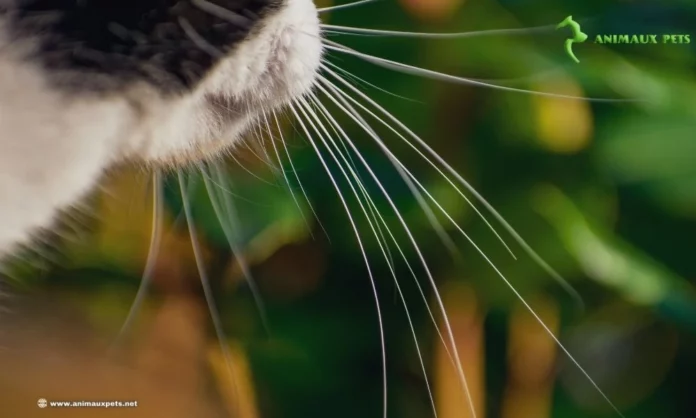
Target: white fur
(54, 147)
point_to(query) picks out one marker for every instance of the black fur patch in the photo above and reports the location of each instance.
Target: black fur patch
(106, 44)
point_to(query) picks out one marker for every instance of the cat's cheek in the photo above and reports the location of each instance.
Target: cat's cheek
(53, 149)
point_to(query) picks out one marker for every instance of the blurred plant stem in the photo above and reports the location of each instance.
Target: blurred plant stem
(236, 384)
(531, 360)
(466, 320)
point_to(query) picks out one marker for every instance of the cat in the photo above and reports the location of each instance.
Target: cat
(87, 84)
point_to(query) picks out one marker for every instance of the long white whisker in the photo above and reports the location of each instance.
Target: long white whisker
(351, 163)
(530, 309)
(526, 247)
(340, 93)
(155, 241)
(297, 176)
(285, 174)
(260, 143)
(430, 215)
(348, 30)
(243, 167)
(227, 229)
(363, 124)
(408, 177)
(362, 250)
(381, 242)
(328, 32)
(435, 75)
(205, 283)
(430, 277)
(363, 81)
(359, 180)
(454, 358)
(230, 192)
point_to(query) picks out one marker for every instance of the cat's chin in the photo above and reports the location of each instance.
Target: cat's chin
(262, 75)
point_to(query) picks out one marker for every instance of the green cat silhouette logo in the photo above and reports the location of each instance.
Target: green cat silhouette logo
(578, 36)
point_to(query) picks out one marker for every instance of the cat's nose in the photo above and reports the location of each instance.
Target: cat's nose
(299, 47)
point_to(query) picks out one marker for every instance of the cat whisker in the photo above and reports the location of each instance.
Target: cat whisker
(227, 217)
(378, 219)
(345, 6)
(359, 181)
(435, 75)
(345, 138)
(432, 219)
(284, 173)
(458, 177)
(258, 144)
(360, 244)
(250, 172)
(151, 262)
(359, 80)
(226, 190)
(297, 176)
(332, 32)
(478, 212)
(485, 257)
(348, 30)
(207, 290)
(262, 144)
(406, 229)
(535, 76)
